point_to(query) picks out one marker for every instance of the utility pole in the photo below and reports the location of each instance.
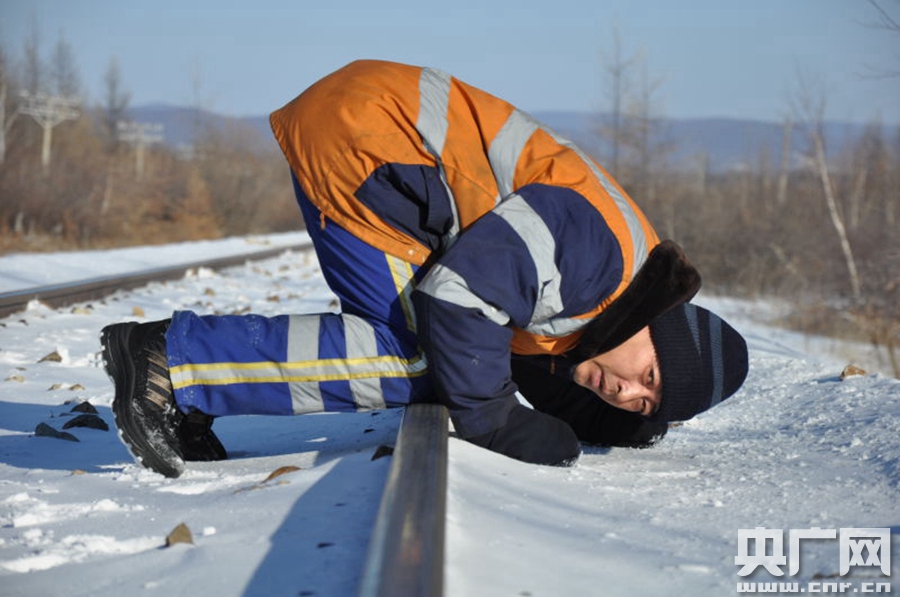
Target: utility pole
(48, 111)
(140, 134)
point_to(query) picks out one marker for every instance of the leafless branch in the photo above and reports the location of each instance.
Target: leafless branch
(887, 21)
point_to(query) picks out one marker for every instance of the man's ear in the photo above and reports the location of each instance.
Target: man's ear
(666, 279)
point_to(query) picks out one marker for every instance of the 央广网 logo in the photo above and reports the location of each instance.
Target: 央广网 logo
(857, 547)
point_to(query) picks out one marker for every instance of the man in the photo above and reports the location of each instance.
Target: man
(475, 253)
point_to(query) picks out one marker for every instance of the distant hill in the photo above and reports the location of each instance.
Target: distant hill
(181, 126)
(728, 143)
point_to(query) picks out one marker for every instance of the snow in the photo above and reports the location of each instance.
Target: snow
(20, 271)
(796, 448)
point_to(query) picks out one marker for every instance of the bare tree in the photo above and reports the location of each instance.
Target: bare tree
(645, 132)
(811, 102)
(64, 77)
(889, 23)
(868, 159)
(618, 78)
(7, 116)
(886, 21)
(784, 173)
(33, 76)
(201, 104)
(115, 104)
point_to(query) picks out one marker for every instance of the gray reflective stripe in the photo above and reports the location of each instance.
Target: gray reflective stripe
(303, 345)
(180, 377)
(638, 238)
(445, 284)
(560, 326)
(434, 101)
(506, 150)
(507, 146)
(361, 343)
(715, 348)
(432, 124)
(542, 248)
(690, 313)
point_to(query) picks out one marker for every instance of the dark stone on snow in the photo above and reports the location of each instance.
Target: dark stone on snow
(84, 407)
(44, 430)
(91, 421)
(382, 451)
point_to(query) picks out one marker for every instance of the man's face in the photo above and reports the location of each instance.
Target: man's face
(627, 376)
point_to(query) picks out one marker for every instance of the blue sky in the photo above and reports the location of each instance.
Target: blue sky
(714, 58)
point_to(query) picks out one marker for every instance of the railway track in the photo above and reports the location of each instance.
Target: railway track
(62, 295)
(406, 552)
(405, 557)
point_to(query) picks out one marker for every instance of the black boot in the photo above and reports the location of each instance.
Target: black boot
(156, 433)
(198, 442)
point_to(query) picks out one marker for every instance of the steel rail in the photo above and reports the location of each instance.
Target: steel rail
(62, 295)
(406, 551)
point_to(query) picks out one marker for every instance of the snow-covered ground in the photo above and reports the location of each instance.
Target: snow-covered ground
(19, 271)
(796, 448)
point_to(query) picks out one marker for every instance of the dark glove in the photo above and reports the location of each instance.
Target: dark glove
(633, 431)
(532, 436)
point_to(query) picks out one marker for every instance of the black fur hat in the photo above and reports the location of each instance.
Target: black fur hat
(666, 279)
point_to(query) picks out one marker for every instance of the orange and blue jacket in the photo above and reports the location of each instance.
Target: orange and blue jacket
(524, 237)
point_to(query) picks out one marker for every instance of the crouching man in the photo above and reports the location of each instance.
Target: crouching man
(475, 253)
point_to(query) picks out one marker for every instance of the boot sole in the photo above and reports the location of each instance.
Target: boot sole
(134, 434)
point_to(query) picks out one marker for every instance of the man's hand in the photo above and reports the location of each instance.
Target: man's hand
(533, 437)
